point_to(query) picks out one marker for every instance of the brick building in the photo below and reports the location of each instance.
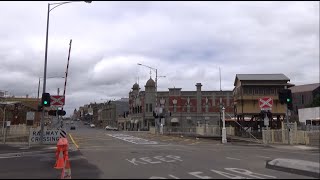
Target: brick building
(16, 112)
(179, 108)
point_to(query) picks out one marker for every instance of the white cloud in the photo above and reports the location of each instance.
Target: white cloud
(186, 41)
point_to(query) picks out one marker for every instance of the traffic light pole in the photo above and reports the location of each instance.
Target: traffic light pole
(287, 118)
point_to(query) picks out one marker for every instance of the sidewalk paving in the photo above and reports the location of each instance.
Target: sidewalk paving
(301, 167)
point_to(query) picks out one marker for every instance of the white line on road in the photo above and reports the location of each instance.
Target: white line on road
(264, 157)
(233, 158)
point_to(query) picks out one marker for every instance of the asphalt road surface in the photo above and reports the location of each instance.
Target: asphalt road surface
(123, 154)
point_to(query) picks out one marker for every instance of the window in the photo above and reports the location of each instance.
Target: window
(260, 91)
(245, 91)
(267, 91)
(174, 108)
(302, 99)
(250, 91)
(147, 108)
(256, 91)
(272, 91)
(150, 109)
(140, 109)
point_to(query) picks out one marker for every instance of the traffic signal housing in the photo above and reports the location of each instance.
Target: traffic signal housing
(56, 112)
(285, 97)
(45, 100)
(40, 107)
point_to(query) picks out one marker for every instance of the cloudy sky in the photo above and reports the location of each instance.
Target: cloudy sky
(186, 41)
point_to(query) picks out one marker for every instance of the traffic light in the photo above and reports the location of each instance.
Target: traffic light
(45, 100)
(155, 115)
(40, 108)
(56, 112)
(269, 114)
(282, 96)
(52, 112)
(262, 115)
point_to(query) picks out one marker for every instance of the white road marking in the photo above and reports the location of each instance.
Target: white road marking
(174, 177)
(233, 158)
(249, 173)
(132, 139)
(264, 157)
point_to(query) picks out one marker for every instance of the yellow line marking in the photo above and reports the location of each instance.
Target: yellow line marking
(73, 141)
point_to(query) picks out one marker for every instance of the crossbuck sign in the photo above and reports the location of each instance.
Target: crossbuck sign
(265, 103)
(57, 101)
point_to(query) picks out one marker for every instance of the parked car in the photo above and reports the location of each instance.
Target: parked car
(111, 128)
(73, 127)
(92, 125)
(86, 123)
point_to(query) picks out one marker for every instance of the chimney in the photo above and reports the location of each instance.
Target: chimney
(198, 86)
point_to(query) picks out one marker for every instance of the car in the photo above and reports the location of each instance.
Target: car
(92, 125)
(73, 127)
(86, 123)
(111, 128)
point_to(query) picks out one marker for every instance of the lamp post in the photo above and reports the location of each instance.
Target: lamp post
(46, 57)
(224, 132)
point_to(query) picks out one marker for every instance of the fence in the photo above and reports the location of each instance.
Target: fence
(202, 130)
(188, 131)
(294, 136)
(15, 133)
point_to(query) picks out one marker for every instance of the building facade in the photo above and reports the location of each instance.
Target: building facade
(249, 88)
(17, 112)
(176, 107)
(303, 95)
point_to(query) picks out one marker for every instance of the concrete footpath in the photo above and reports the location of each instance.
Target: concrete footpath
(301, 167)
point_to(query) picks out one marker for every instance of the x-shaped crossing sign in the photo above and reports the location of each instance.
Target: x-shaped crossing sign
(265, 102)
(57, 100)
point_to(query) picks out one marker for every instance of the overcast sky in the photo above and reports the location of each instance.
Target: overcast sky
(186, 41)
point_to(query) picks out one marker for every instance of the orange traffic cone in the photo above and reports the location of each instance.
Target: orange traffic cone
(66, 171)
(60, 162)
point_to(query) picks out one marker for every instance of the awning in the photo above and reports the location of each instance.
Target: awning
(174, 120)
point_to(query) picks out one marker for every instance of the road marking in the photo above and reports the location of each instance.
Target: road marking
(234, 174)
(264, 157)
(249, 173)
(228, 175)
(73, 141)
(196, 174)
(174, 177)
(150, 160)
(233, 158)
(132, 139)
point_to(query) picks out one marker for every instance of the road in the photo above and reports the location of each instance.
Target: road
(142, 155)
(121, 154)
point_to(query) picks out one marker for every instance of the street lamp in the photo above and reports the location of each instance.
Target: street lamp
(46, 57)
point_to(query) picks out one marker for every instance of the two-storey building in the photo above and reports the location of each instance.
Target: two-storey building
(179, 108)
